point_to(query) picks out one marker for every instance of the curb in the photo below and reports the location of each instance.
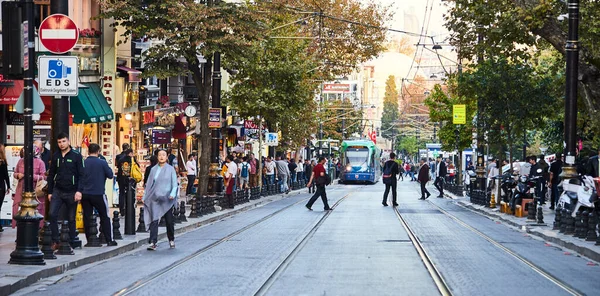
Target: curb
(124, 248)
(583, 250)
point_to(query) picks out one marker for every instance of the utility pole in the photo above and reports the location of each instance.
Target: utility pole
(480, 139)
(572, 71)
(27, 251)
(60, 104)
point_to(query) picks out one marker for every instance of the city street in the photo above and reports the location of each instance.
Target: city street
(359, 248)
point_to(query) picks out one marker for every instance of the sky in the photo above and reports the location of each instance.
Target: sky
(417, 8)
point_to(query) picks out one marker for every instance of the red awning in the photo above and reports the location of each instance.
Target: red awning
(12, 93)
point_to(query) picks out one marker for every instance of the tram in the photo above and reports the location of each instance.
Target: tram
(360, 162)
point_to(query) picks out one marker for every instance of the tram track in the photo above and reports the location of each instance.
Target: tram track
(130, 290)
(566, 287)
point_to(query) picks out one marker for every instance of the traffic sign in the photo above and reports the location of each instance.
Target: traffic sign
(58, 75)
(459, 114)
(271, 139)
(58, 33)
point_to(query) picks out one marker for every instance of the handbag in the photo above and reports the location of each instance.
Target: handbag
(41, 187)
(136, 173)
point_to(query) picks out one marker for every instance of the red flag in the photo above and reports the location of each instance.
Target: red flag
(373, 136)
(86, 141)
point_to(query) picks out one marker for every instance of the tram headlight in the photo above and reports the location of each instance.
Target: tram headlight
(348, 168)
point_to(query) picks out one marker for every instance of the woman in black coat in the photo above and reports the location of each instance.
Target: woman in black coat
(4, 179)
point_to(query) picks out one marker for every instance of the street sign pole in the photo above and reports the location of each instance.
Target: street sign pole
(27, 251)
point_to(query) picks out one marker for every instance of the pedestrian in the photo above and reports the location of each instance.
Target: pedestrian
(159, 199)
(400, 170)
(321, 179)
(39, 173)
(300, 170)
(230, 176)
(44, 154)
(153, 162)
(4, 179)
(190, 166)
(413, 171)
(423, 178)
(451, 172)
(283, 173)
(555, 171)
(440, 175)
(270, 169)
(244, 173)
(97, 172)
(124, 178)
(64, 186)
(390, 175)
(292, 168)
(526, 167)
(308, 169)
(407, 169)
(253, 170)
(123, 153)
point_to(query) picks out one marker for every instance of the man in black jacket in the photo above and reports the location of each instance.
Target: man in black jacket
(592, 166)
(440, 176)
(124, 178)
(64, 186)
(391, 167)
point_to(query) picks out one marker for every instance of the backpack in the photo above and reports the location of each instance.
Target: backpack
(244, 172)
(387, 172)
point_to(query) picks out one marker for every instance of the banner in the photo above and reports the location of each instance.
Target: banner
(459, 114)
(214, 118)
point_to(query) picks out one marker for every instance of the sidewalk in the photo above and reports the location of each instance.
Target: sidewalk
(578, 245)
(15, 277)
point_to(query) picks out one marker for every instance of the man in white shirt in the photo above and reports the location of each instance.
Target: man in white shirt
(190, 166)
(232, 170)
(300, 170)
(270, 168)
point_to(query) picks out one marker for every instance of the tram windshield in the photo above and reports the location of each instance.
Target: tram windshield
(358, 157)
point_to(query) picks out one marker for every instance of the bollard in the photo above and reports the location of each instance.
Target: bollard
(584, 224)
(592, 221)
(46, 236)
(493, 201)
(101, 237)
(246, 195)
(530, 211)
(116, 226)
(201, 205)
(65, 247)
(598, 237)
(563, 220)
(556, 224)
(193, 209)
(570, 229)
(577, 224)
(176, 219)
(540, 215)
(142, 226)
(182, 217)
(92, 238)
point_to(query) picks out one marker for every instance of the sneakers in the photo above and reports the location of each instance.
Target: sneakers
(172, 244)
(308, 207)
(328, 209)
(152, 247)
(384, 204)
(111, 244)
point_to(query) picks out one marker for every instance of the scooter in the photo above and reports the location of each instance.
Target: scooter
(524, 190)
(577, 193)
(507, 186)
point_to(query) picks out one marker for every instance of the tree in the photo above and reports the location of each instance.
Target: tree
(187, 29)
(517, 29)
(389, 116)
(338, 115)
(408, 145)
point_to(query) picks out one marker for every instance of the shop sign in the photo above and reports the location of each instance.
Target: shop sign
(251, 129)
(107, 130)
(147, 119)
(42, 134)
(161, 137)
(336, 88)
(214, 118)
(15, 118)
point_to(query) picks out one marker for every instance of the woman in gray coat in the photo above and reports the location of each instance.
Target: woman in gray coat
(159, 199)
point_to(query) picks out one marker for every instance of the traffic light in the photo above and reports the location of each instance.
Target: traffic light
(12, 40)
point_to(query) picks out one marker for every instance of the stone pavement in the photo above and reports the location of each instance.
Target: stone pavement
(15, 277)
(580, 246)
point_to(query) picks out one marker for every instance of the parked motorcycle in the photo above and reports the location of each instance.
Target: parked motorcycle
(525, 189)
(579, 192)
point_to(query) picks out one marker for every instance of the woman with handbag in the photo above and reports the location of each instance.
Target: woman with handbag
(4, 178)
(39, 175)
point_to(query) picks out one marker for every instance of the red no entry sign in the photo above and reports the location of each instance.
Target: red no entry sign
(58, 33)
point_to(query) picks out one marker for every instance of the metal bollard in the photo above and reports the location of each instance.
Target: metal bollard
(591, 232)
(142, 226)
(530, 211)
(563, 220)
(65, 246)
(46, 236)
(116, 226)
(556, 224)
(540, 215)
(570, 229)
(176, 219)
(182, 217)
(194, 209)
(92, 238)
(584, 224)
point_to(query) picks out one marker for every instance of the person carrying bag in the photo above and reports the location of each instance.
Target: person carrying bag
(390, 179)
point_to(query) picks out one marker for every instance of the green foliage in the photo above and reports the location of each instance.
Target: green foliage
(390, 115)
(335, 114)
(408, 145)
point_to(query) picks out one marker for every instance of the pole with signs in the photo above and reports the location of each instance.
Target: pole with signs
(215, 183)
(27, 251)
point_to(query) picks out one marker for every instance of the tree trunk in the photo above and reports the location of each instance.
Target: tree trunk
(204, 85)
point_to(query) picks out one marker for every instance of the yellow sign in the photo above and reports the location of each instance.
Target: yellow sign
(459, 114)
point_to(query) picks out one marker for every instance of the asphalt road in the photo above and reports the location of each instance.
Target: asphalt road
(360, 248)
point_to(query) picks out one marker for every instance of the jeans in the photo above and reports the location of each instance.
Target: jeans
(320, 192)
(554, 197)
(424, 190)
(393, 186)
(88, 204)
(270, 179)
(283, 179)
(190, 184)
(439, 184)
(169, 221)
(58, 199)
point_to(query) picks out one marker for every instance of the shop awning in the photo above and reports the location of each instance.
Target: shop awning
(90, 105)
(11, 93)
